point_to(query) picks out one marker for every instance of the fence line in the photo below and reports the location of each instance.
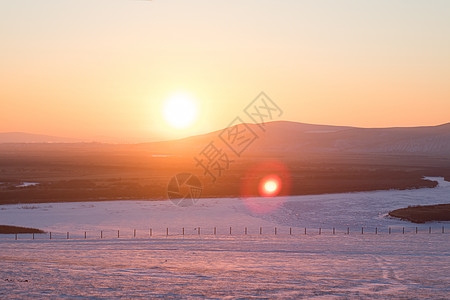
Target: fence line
(242, 232)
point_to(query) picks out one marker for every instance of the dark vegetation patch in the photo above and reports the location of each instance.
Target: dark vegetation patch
(7, 229)
(97, 172)
(422, 214)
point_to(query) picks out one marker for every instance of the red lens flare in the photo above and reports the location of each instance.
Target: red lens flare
(264, 186)
(270, 186)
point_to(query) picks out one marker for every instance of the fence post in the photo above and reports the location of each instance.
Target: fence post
(16, 237)
(33, 235)
(275, 230)
(183, 230)
(442, 229)
(101, 234)
(320, 230)
(151, 233)
(134, 233)
(260, 230)
(215, 230)
(389, 230)
(290, 230)
(85, 235)
(50, 235)
(429, 229)
(305, 230)
(403, 230)
(416, 230)
(67, 235)
(167, 231)
(245, 230)
(362, 230)
(118, 234)
(230, 230)
(348, 230)
(376, 230)
(334, 230)
(199, 230)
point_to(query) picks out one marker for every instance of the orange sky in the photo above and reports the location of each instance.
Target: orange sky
(96, 69)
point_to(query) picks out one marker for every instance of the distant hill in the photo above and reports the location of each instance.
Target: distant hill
(294, 138)
(22, 137)
(285, 136)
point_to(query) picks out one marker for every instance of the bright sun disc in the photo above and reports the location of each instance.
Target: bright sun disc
(180, 111)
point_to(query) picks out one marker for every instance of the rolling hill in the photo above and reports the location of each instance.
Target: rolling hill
(283, 137)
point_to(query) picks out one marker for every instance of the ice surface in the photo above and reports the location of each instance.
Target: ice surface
(25, 184)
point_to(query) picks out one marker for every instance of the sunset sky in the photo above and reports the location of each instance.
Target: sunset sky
(106, 69)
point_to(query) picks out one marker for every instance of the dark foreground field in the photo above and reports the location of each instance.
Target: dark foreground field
(422, 214)
(93, 172)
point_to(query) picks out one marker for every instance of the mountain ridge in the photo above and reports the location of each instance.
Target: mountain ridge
(294, 137)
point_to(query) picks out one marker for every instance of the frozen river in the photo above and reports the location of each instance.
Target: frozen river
(354, 210)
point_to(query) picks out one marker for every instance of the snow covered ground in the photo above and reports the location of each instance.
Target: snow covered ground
(404, 266)
(322, 267)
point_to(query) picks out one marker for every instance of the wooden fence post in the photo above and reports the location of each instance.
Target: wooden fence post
(183, 230)
(290, 230)
(50, 235)
(134, 233)
(275, 230)
(403, 230)
(389, 230)
(101, 234)
(16, 237)
(85, 235)
(362, 230)
(260, 230)
(215, 230)
(230, 230)
(320, 230)
(334, 231)
(348, 230)
(167, 231)
(151, 233)
(67, 235)
(245, 230)
(33, 235)
(305, 230)
(118, 234)
(376, 230)
(199, 230)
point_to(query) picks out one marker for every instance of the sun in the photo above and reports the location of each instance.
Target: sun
(180, 111)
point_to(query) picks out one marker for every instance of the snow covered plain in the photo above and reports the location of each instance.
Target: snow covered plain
(404, 266)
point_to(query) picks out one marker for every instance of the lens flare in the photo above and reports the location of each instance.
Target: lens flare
(265, 186)
(270, 186)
